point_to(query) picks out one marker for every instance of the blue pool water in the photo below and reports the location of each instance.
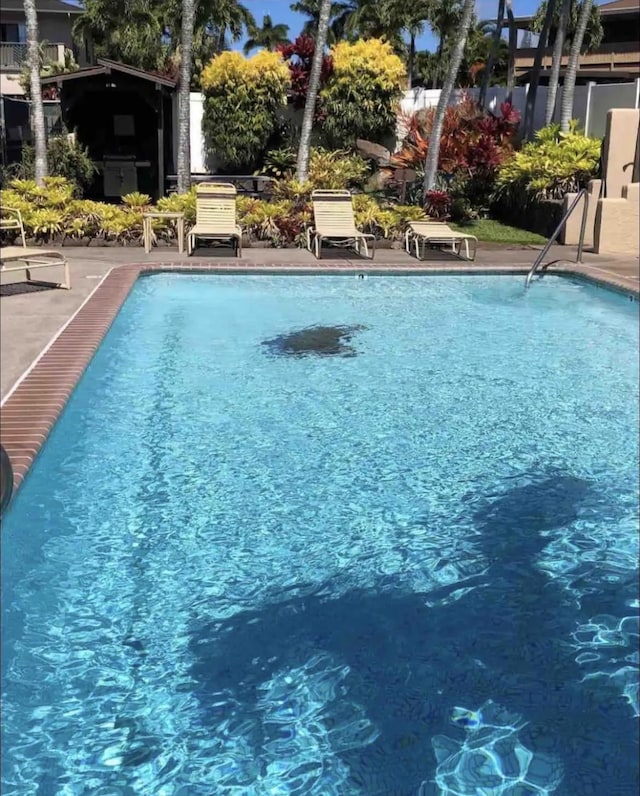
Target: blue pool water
(410, 570)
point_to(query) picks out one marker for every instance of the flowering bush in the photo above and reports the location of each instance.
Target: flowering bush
(361, 96)
(438, 204)
(473, 146)
(473, 140)
(242, 98)
(299, 56)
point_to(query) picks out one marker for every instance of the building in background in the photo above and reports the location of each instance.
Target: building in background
(616, 60)
(55, 22)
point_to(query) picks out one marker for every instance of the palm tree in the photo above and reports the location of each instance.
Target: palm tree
(126, 30)
(37, 108)
(495, 43)
(480, 58)
(184, 105)
(268, 36)
(556, 62)
(396, 16)
(219, 22)
(513, 46)
(566, 106)
(444, 20)
(535, 71)
(457, 53)
(339, 15)
(302, 166)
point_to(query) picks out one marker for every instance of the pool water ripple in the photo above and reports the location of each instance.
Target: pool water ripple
(408, 571)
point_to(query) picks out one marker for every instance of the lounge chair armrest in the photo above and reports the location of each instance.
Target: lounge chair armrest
(15, 210)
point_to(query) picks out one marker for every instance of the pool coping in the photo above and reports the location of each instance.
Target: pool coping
(37, 399)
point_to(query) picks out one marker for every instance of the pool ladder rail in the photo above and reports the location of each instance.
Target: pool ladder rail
(538, 264)
(6, 480)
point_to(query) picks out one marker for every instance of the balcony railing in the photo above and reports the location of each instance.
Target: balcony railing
(609, 56)
(14, 54)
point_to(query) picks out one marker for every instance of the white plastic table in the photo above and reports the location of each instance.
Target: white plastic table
(146, 229)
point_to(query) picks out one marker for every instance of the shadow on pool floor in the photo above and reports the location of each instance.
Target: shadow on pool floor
(411, 664)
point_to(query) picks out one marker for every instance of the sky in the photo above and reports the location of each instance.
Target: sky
(280, 12)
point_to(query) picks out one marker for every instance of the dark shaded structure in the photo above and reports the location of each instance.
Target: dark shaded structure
(124, 117)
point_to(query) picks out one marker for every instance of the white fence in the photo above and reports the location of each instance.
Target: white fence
(590, 105)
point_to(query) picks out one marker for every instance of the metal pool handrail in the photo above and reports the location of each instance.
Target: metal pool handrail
(6, 480)
(583, 227)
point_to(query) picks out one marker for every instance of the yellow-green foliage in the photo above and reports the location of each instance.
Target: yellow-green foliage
(371, 57)
(242, 98)
(136, 199)
(552, 165)
(180, 203)
(362, 94)
(336, 169)
(281, 221)
(385, 221)
(328, 168)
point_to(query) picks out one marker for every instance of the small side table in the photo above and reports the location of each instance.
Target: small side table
(146, 229)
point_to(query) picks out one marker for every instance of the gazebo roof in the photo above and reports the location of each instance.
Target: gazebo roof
(105, 66)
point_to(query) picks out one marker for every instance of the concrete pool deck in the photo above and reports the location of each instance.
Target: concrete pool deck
(31, 317)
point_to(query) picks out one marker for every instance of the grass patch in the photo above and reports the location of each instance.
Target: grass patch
(490, 231)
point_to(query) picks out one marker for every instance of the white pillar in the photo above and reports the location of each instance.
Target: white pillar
(587, 113)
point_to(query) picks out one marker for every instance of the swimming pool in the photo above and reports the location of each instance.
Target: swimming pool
(394, 555)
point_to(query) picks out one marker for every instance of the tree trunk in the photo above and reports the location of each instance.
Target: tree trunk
(566, 107)
(558, 48)
(436, 69)
(302, 166)
(37, 108)
(184, 108)
(535, 72)
(412, 56)
(431, 161)
(495, 43)
(513, 46)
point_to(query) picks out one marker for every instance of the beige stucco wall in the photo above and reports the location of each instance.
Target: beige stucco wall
(617, 223)
(617, 229)
(620, 154)
(570, 234)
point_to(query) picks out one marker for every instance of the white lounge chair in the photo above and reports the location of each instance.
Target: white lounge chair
(29, 257)
(215, 216)
(436, 233)
(334, 220)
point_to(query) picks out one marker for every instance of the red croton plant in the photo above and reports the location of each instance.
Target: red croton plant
(299, 55)
(474, 141)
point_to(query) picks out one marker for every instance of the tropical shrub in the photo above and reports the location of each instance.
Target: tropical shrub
(279, 222)
(552, 165)
(242, 98)
(136, 199)
(361, 96)
(327, 169)
(278, 163)
(48, 68)
(532, 183)
(474, 145)
(299, 57)
(66, 158)
(438, 204)
(180, 203)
